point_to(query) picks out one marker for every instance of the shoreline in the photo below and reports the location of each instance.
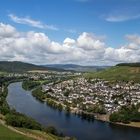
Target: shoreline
(105, 118)
(99, 117)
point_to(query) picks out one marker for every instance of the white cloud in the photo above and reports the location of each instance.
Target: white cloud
(121, 18)
(117, 55)
(7, 30)
(69, 42)
(134, 38)
(87, 49)
(30, 22)
(130, 52)
(89, 42)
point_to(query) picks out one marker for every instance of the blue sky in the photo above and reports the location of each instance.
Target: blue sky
(109, 20)
(77, 16)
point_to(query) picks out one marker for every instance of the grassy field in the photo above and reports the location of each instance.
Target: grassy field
(43, 135)
(7, 134)
(120, 73)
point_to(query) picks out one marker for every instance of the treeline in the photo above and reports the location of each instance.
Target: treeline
(38, 94)
(19, 120)
(16, 119)
(129, 64)
(86, 116)
(4, 108)
(4, 81)
(30, 84)
(126, 114)
(54, 105)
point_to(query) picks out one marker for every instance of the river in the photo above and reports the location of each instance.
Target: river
(71, 125)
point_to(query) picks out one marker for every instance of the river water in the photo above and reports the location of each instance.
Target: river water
(70, 125)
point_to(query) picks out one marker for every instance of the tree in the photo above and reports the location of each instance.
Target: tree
(67, 109)
(60, 107)
(51, 130)
(66, 93)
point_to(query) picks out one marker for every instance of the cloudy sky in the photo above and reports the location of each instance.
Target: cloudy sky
(86, 32)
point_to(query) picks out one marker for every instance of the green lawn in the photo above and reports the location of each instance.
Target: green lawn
(7, 134)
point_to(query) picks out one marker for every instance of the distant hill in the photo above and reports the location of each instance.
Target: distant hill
(120, 73)
(129, 64)
(78, 68)
(16, 66)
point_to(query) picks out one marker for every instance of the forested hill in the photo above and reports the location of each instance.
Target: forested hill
(16, 66)
(76, 68)
(129, 64)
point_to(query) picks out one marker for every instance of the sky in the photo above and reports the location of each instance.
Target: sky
(85, 32)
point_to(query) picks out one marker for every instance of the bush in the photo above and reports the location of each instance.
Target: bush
(51, 130)
(4, 109)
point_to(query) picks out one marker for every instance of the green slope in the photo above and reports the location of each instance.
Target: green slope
(41, 134)
(15, 66)
(120, 73)
(7, 134)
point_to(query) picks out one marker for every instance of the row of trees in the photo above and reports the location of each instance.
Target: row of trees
(19, 120)
(30, 84)
(55, 105)
(38, 94)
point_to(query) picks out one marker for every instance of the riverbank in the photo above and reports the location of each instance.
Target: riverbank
(97, 116)
(9, 132)
(105, 118)
(70, 125)
(100, 117)
(131, 124)
(6, 133)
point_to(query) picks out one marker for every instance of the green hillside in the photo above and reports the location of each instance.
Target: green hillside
(7, 134)
(120, 73)
(15, 66)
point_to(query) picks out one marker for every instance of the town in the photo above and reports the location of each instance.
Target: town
(84, 94)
